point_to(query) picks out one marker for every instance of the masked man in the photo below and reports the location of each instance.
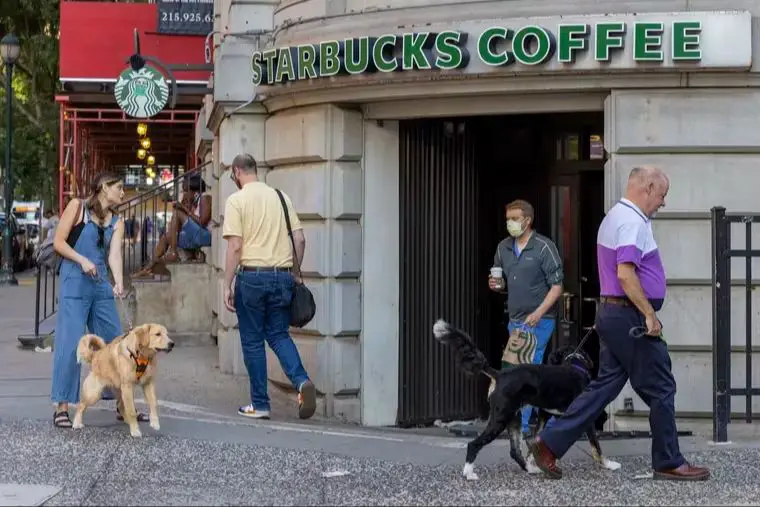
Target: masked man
(532, 270)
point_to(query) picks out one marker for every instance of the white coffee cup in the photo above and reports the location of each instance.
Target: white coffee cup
(497, 273)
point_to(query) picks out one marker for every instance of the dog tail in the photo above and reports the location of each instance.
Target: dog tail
(469, 357)
(87, 347)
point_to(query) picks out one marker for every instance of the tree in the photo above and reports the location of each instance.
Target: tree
(35, 83)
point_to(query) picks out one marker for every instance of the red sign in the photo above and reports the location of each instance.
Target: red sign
(97, 39)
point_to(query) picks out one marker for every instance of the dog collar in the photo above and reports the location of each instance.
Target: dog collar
(141, 363)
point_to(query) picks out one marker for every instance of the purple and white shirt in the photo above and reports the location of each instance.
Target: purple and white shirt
(625, 235)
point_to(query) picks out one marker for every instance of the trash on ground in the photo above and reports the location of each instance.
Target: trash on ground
(335, 473)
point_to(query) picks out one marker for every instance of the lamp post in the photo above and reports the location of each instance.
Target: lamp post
(9, 53)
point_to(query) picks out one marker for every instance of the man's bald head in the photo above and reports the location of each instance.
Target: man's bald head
(647, 187)
(645, 175)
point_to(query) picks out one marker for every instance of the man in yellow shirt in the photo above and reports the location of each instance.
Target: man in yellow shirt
(260, 258)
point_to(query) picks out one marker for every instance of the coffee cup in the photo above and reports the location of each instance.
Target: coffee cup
(497, 273)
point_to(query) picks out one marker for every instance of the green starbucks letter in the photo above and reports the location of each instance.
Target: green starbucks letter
(269, 58)
(256, 68)
(285, 66)
(450, 53)
(647, 42)
(572, 38)
(329, 63)
(307, 57)
(608, 36)
(686, 35)
(383, 63)
(545, 45)
(414, 57)
(485, 47)
(356, 58)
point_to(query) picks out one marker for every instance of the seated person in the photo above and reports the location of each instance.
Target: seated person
(188, 229)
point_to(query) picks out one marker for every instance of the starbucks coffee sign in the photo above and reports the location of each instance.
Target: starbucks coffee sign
(142, 93)
(574, 43)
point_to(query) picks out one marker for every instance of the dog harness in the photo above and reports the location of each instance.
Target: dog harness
(141, 364)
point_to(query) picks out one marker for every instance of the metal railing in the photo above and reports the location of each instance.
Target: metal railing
(46, 302)
(146, 218)
(722, 254)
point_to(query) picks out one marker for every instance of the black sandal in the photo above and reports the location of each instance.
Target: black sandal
(140, 416)
(61, 419)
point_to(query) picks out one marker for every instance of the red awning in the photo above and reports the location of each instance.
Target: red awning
(96, 38)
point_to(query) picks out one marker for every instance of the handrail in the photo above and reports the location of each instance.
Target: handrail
(151, 211)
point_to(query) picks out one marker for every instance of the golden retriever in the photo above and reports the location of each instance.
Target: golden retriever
(128, 360)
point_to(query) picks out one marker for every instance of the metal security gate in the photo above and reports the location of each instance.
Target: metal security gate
(722, 253)
(440, 274)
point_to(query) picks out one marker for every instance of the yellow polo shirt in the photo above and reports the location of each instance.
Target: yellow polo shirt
(255, 214)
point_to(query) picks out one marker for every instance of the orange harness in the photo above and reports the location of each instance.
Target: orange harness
(141, 364)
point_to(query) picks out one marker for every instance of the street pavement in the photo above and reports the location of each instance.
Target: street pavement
(204, 454)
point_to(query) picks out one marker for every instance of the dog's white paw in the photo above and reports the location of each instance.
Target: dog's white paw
(531, 466)
(135, 433)
(608, 464)
(155, 425)
(469, 472)
(77, 425)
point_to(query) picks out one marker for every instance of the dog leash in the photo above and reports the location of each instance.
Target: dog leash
(124, 310)
(583, 340)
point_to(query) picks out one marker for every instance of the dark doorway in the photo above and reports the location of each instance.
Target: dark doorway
(457, 176)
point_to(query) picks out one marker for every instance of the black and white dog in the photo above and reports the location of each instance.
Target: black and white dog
(549, 387)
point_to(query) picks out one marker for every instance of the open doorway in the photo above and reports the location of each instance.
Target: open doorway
(457, 176)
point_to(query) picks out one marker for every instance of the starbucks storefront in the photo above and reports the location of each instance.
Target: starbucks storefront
(400, 146)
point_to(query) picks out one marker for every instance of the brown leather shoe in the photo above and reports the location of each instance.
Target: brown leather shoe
(685, 472)
(545, 459)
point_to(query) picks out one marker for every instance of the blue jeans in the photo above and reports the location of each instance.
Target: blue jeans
(262, 303)
(543, 330)
(192, 236)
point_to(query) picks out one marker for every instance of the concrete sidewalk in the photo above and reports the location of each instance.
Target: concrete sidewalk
(207, 455)
(220, 463)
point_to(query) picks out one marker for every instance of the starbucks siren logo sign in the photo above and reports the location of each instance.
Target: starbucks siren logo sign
(143, 93)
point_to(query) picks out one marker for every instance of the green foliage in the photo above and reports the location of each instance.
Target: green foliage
(35, 82)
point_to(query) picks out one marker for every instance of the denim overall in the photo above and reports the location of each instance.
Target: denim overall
(84, 302)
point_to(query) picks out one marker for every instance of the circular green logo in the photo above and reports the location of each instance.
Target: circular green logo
(143, 93)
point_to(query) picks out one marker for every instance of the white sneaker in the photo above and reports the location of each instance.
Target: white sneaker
(250, 411)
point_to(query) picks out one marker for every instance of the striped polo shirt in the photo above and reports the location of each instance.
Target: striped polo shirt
(625, 235)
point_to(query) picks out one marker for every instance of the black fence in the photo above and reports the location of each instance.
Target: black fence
(46, 302)
(722, 255)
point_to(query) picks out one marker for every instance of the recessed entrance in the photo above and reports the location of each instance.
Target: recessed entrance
(456, 177)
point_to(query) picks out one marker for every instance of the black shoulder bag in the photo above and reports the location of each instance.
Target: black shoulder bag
(302, 307)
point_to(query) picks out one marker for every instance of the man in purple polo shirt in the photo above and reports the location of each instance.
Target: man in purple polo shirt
(632, 280)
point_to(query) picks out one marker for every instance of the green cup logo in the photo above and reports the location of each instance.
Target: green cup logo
(143, 93)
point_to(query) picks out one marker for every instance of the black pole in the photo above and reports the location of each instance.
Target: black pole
(6, 272)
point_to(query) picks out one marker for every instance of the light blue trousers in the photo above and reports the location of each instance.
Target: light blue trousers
(83, 304)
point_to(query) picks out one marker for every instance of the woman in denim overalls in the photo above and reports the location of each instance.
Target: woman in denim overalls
(86, 299)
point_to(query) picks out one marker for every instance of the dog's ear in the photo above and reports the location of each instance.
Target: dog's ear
(142, 336)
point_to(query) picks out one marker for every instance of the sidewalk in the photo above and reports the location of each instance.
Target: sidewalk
(207, 455)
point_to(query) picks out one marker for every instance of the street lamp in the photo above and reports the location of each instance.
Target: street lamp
(9, 53)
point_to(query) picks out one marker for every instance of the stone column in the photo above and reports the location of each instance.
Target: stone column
(315, 154)
(708, 142)
(242, 132)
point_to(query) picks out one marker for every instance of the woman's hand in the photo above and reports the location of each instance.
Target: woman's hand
(118, 290)
(88, 268)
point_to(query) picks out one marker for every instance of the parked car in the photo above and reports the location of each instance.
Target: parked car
(23, 249)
